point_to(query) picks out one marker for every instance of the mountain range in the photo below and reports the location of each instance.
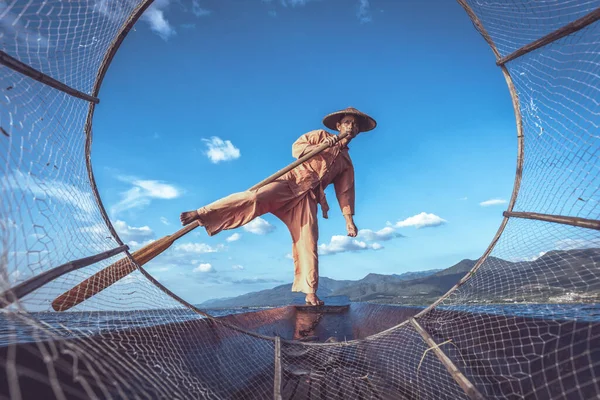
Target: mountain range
(556, 276)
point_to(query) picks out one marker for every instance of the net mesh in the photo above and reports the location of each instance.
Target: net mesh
(136, 340)
(66, 40)
(392, 365)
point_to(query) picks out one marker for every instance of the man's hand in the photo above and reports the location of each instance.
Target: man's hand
(331, 140)
(188, 217)
(350, 227)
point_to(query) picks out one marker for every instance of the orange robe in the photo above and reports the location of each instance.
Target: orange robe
(293, 198)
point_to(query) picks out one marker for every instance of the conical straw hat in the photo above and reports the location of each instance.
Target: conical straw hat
(365, 123)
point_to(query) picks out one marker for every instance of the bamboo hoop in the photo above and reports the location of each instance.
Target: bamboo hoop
(520, 157)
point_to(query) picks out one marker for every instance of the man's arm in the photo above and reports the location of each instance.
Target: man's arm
(310, 141)
(344, 191)
(350, 226)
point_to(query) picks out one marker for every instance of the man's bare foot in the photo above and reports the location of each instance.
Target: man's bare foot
(188, 217)
(313, 300)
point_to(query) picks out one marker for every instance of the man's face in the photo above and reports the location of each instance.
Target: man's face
(348, 124)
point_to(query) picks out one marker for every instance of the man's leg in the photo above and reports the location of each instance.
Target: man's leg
(240, 208)
(301, 220)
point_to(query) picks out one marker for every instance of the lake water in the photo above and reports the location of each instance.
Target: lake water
(14, 327)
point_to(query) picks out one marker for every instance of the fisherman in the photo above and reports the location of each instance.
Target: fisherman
(294, 196)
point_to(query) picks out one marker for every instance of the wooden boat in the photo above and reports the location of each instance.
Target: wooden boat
(358, 351)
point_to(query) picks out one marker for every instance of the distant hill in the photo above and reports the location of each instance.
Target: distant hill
(505, 281)
(415, 275)
(419, 290)
(277, 296)
(282, 295)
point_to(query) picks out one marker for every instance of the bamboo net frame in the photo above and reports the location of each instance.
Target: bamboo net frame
(509, 213)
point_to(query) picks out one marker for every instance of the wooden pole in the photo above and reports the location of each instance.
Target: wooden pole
(296, 163)
(25, 69)
(277, 370)
(23, 289)
(558, 219)
(553, 36)
(463, 382)
(114, 272)
(120, 269)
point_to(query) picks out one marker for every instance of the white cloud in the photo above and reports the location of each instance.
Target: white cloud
(234, 237)
(571, 244)
(464, 198)
(159, 269)
(157, 189)
(164, 221)
(204, 267)
(131, 279)
(259, 226)
(142, 193)
(113, 10)
(221, 150)
(363, 8)
(50, 190)
(199, 11)
(492, 202)
(386, 233)
(422, 220)
(134, 245)
(341, 244)
(364, 11)
(237, 267)
(562, 245)
(131, 233)
(195, 248)
(7, 223)
(16, 28)
(99, 228)
(289, 255)
(251, 281)
(532, 258)
(181, 255)
(294, 3)
(155, 16)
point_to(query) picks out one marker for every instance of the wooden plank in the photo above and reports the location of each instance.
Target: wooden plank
(323, 309)
(289, 389)
(553, 36)
(558, 219)
(23, 289)
(116, 271)
(303, 388)
(296, 163)
(26, 70)
(458, 376)
(277, 380)
(356, 387)
(374, 393)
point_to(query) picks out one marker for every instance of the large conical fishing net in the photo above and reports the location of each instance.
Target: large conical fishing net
(55, 234)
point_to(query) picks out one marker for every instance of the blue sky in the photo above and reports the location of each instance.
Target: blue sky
(205, 98)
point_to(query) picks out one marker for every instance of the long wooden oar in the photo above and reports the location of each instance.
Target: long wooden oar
(114, 272)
